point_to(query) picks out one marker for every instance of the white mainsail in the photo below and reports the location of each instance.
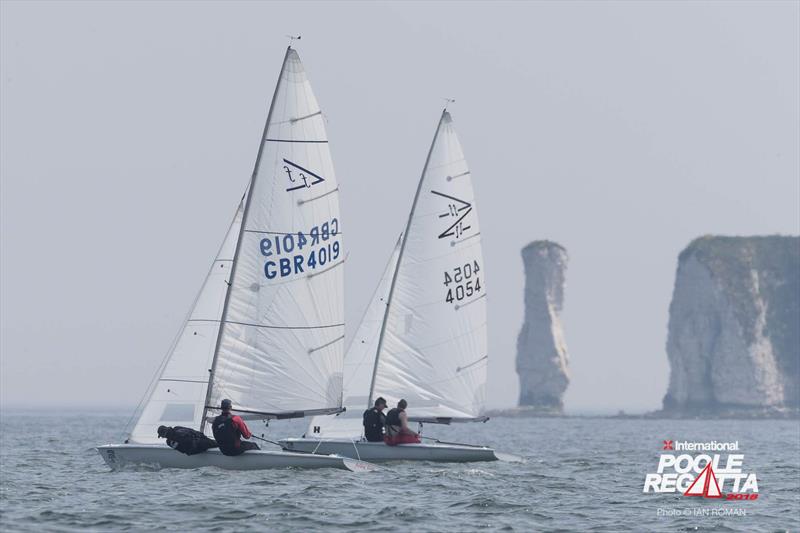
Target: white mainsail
(177, 397)
(433, 346)
(267, 329)
(280, 350)
(424, 335)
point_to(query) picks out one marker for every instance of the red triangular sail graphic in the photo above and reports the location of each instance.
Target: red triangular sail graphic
(712, 487)
(705, 484)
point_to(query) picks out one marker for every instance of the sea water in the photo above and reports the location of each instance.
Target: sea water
(580, 474)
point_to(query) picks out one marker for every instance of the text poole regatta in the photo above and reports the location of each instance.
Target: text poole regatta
(685, 468)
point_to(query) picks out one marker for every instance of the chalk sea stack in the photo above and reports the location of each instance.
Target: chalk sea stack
(542, 361)
(734, 328)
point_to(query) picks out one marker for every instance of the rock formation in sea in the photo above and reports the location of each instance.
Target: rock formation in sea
(542, 361)
(734, 327)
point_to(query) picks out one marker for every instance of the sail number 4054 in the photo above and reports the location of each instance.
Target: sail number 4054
(462, 282)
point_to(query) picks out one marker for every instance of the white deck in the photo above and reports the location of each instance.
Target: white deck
(157, 456)
(380, 452)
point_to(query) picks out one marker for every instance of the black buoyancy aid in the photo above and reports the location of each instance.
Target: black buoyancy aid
(188, 441)
(373, 424)
(393, 423)
(226, 434)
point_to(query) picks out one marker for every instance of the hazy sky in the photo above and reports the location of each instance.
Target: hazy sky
(620, 130)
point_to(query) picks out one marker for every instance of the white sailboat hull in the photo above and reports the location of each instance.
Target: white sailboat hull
(379, 452)
(156, 456)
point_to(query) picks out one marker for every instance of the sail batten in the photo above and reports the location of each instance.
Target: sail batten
(324, 326)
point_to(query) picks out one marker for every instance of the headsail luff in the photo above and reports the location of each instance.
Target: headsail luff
(280, 349)
(359, 361)
(177, 397)
(433, 347)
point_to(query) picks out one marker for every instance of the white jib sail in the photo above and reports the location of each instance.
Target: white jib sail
(359, 364)
(433, 348)
(280, 351)
(176, 398)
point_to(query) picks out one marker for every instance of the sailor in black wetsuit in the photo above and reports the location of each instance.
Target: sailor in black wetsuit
(185, 440)
(229, 429)
(397, 430)
(374, 420)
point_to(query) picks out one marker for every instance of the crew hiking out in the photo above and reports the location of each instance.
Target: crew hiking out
(228, 430)
(185, 440)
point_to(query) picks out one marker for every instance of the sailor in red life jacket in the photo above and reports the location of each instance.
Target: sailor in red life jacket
(397, 430)
(228, 430)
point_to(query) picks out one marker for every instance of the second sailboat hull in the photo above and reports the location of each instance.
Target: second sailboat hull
(380, 452)
(120, 456)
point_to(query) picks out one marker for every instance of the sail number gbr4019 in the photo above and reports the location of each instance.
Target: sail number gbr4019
(462, 282)
(301, 252)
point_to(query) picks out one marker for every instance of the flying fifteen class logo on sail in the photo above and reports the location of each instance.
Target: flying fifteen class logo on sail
(299, 177)
(456, 209)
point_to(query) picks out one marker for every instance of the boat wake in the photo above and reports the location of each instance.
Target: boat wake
(509, 457)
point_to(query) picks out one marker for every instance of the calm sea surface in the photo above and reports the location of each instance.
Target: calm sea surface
(583, 474)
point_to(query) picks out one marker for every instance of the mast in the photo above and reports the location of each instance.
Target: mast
(400, 259)
(239, 243)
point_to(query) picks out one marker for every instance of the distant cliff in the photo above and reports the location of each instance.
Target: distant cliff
(541, 350)
(734, 327)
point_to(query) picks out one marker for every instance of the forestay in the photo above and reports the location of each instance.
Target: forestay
(433, 349)
(359, 362)
(176, 398)
(280, 351)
